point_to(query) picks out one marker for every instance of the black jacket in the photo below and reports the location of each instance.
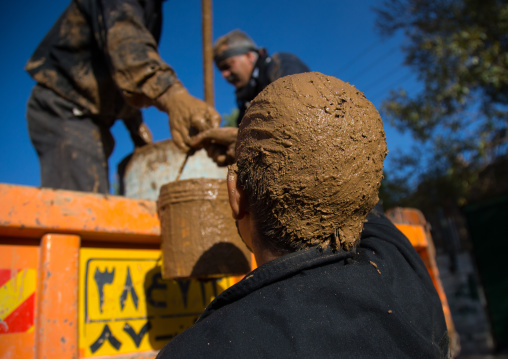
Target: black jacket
(376, 301)
(267, 70)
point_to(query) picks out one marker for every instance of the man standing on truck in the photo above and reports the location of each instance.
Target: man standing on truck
(99, 63)
(249, 68)
(334, 278)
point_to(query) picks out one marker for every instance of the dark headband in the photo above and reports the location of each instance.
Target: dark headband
(234, 51)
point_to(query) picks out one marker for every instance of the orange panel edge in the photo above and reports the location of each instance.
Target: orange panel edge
(32, 212)
(57, 317)
(412, 223)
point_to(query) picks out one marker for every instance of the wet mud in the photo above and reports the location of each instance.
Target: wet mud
(315, 146)
(199, 236)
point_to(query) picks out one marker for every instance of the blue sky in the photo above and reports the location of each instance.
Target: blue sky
(335, 37)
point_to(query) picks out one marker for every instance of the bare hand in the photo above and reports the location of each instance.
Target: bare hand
(187, 114)
(219, 144)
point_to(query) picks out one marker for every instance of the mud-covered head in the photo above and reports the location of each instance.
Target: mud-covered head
(310, 154)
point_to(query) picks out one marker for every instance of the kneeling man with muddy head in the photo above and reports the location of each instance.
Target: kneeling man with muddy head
(334, 277)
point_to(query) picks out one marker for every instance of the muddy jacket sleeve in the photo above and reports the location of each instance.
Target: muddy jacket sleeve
(120, 28)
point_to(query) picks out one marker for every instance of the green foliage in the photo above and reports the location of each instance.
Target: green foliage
(459, 49)
(229, 119)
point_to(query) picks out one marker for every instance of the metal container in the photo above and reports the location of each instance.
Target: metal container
(143, 173)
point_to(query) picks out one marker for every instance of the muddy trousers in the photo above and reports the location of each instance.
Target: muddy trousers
(73, 150)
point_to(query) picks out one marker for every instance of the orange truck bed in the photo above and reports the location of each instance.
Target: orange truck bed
(413, 224)
(80, 276)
